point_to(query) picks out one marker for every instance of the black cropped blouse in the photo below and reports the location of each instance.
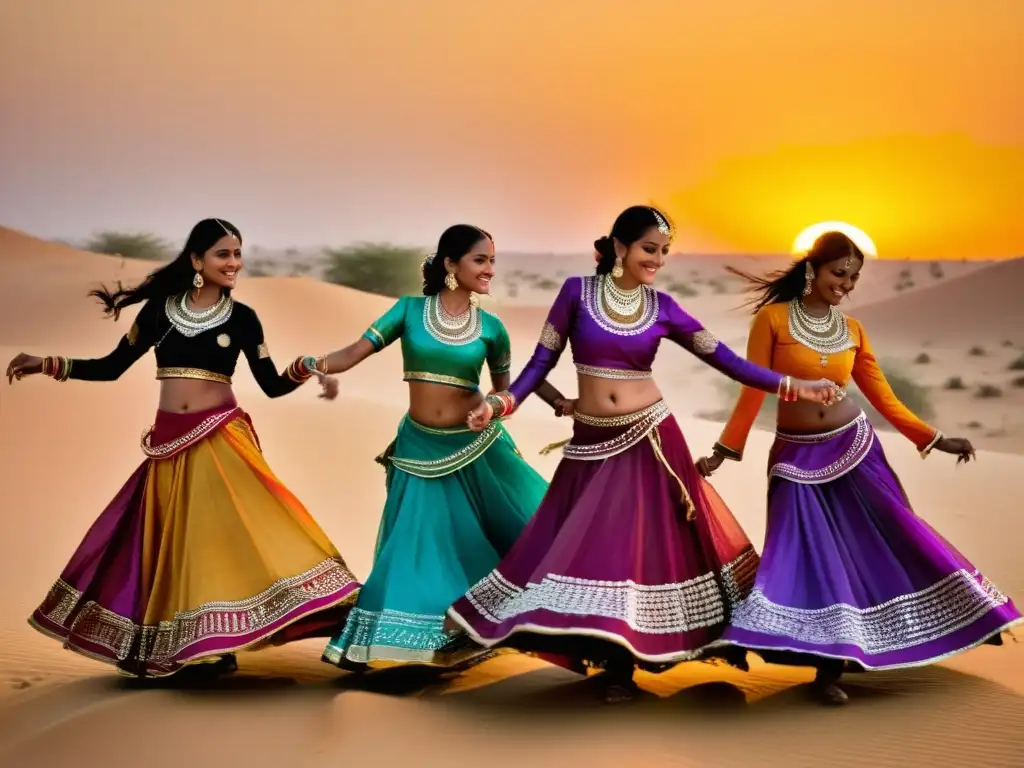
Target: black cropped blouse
(210, 354)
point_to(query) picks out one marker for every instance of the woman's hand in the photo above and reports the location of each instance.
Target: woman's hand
(960, 446)
(565, 406)
(708, 465)
(329, 386)
(480, 417)
(821, 391)
(23, 365)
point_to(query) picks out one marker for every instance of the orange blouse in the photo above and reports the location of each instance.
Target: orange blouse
(770, 344)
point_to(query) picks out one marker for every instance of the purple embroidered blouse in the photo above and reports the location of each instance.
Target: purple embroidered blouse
(605, 347)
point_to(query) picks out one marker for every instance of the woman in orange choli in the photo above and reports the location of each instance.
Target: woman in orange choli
(850, 575)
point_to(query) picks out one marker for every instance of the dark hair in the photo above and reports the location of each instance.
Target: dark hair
(629, 227)
(784, 285)
(455, 242)
(172, 279)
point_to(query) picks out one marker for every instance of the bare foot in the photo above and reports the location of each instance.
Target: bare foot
(829, 694)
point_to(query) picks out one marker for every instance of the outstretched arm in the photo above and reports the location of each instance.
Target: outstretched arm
(760, 344)
(140, 337)
(257, 354)
(872, 382)
(387, 329)
(499, 361)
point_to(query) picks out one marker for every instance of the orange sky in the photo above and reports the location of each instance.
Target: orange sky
(538, 120)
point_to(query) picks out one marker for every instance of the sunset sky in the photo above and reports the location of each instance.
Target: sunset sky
(326, 121)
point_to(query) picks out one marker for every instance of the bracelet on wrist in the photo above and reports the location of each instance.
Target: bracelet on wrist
(301, 369)
(924, 452)
(58, 368)
(502, 404)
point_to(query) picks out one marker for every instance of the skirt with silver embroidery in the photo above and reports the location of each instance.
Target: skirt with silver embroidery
(631, 551)
(849, 571)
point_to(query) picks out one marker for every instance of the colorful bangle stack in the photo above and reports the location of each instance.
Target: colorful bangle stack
(302, 368)
(502, 404)
(786, 392)
(58, 368)
(931, 445)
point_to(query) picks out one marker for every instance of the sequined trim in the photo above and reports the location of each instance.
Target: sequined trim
(591, 298)
(550, 338)
(446, 465)
(600, 372)
(190, 438)
(390, 635)
(192, 373)
(704, 342)
(643, 423)
(906, 621)
(439, 378)
(859, 447)
(262, 351)
(653, 609)
(503, 364)
(167, 644)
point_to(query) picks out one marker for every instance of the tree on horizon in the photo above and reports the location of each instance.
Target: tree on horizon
(145, 246)
(381, 268)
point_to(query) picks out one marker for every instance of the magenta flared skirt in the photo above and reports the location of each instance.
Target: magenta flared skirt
(630, 550)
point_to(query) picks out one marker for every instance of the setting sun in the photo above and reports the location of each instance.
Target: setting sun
(806, 239)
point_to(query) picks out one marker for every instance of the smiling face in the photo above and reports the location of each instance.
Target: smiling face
(475, 270)
(221, 264)
(835, 280)
(642, 260)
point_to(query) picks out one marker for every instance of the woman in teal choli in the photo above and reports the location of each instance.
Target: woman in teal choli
(456, 499)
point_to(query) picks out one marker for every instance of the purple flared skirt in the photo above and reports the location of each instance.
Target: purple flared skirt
(631, 551)
(849, 571)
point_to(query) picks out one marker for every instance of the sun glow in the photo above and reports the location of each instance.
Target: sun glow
(806, 239)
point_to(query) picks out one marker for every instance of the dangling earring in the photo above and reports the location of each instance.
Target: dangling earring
(474, 300)
(451, 282)
(198, 281)
(617, 270)
(808, 278)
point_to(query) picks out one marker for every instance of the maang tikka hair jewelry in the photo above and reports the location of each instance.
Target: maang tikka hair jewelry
(663, 226)
(808, 277)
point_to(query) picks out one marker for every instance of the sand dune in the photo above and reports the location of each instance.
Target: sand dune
(66, 448)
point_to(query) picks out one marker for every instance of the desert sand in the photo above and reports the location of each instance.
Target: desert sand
(66, 448)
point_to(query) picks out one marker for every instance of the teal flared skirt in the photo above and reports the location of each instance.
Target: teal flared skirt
(456, 502)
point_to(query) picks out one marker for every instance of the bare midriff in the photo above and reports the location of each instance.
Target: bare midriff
(191, 395)
(440, 405)
(614, 397)
(803, 418)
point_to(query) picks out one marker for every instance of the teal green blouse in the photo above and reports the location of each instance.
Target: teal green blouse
(432, 351)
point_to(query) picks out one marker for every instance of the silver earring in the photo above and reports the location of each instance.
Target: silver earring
(198, 281)
(808, 278)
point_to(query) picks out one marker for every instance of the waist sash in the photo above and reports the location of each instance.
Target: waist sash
(176, 432)
(821, 458)
(431, 452)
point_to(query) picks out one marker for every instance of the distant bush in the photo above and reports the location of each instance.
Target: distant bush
(131, 245)
(1017, 365)
(381, 268)
(905, 274)
(545, 284)
(259, 268)
(923, 358)
(1018, 382)
(936, 270)
(974, 425)
(301, 269)
(1007, 343)
(954, 382)
(717, 286)
(976, 352)
(988, 391)
(681, 289)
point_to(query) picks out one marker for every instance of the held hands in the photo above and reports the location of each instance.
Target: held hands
(478, 418)
(960, 446)
(329, 386)
(821, 391)
(708, 465)
(564, 407)
(23, 365)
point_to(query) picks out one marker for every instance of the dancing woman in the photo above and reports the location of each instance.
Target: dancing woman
(631, 557)
(849, 572)
(456, 499)
(203, 551)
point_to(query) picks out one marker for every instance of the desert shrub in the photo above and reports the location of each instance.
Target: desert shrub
(974, 425)
(936, 270)
(923, 358)
(988, 391)
(954, 382)
(717, 286)
(546, 284)
(1018, 382)
(681, 289)
(1007, 343)
(130, 245)
(300, 269)
(381, 268)
(976, 352)
(259, 268)
(1017, 365)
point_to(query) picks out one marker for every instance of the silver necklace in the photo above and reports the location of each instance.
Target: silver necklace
(624, 313)
(828, 335)
(451, 329)
(191, 322)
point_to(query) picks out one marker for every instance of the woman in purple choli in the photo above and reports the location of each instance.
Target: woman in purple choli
(631, 558)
